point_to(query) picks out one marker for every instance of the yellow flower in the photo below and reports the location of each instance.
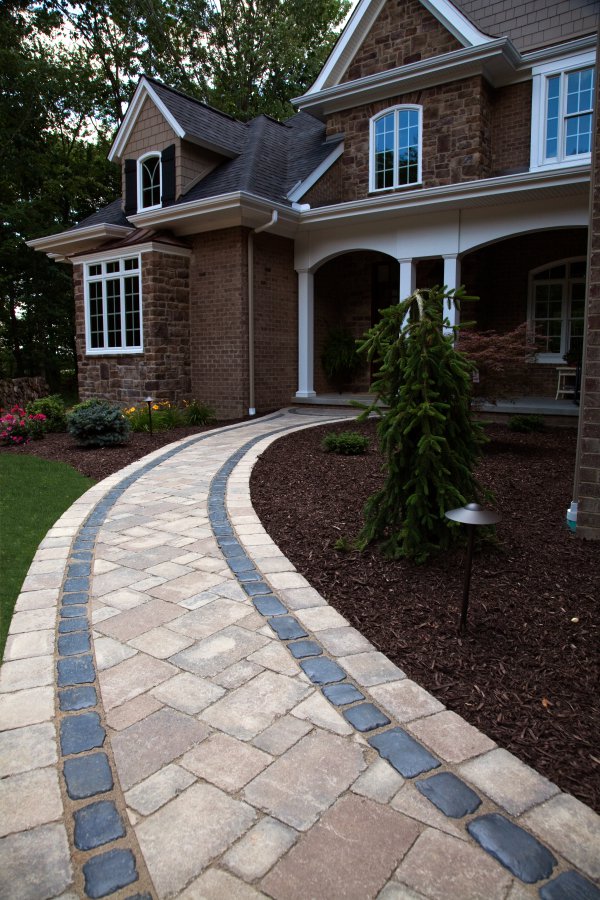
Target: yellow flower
(155, 406)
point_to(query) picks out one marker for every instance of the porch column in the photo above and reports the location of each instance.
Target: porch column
(408, 275)
(306, 333)
(452, 281)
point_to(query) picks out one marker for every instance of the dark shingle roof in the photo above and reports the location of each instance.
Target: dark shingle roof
(109, 215)
(535, 23)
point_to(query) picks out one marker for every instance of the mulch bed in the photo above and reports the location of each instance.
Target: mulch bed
(526, 672)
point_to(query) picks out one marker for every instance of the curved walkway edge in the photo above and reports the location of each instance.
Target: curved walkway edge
(183, 715)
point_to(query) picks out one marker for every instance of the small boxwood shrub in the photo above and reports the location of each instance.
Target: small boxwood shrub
(53, 408)
(98, 423)
(347, 443)
(526, 424)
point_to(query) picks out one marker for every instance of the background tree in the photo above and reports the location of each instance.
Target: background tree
(427, 435)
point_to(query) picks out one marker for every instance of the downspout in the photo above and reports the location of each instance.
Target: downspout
(265, 227)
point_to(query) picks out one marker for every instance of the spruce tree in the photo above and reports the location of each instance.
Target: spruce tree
(427, 435)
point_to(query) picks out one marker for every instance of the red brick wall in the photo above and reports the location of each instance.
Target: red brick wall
(328, 188)
(404, 32)
(163, 369)
(511, 128)
(456, 135)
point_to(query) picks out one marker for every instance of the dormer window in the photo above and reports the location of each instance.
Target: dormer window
(396, 138)
(149, 181)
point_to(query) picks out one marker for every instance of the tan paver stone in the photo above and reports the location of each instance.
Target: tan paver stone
(298, 786)
(20, 674)
(132, 677)
(29, 799)
(218, 885)
(136, 621)
(380, 782)
(219, 651)
(370, 668)
(33, 620)
(125, 599)
(26, 707)
(30, 747)
(102, 566)
(151, 581)
(158, 789)
(252, 622)
(198, 600)
(320, 618)
(317, 710)
(345, 640)
(110, 652)
(188, 693)
(269, 565)
(350, 853)
(259, 849)
(254, 706)
(257, 540)
(147, 746)
(286, 580)
(168, 570)
(208, 564)
(58, 553)
(406, 700)
(100, 613)
(302, 598)
(35, 864)
(571, 828)
(36, 600)
(181, 839)
(143, 560)
(281, 735)
(445, 868)
(226, 762)
(112, 581)
(46, 566)
(450, 737)
(42, 582)
(508, 781)
(275, 656)
(131, 712)
(412, 803)
(25, 646)
(521, 891)
(236, 675)
(186, 586)
(161, 642)
(215, 616)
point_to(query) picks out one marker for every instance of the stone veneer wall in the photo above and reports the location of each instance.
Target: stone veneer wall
(404, 32)
(163, 369)
(588, 515)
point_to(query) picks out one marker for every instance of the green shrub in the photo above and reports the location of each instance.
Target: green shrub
(526, 424)
(53, 408)
(98, 423)
(347, 443)
(195, 413)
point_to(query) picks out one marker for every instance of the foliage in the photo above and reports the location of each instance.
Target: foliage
(526, 424)
(19, 427)
(346, 443)
(428, 438)
(53, 407)
(340, 359)
(198, 413)
(98, 423)
(499, 358)
(34, 493)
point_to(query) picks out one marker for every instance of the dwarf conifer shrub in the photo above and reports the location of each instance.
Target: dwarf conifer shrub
(53, 407)
(98, 423)
(346, 443)
(526, 423)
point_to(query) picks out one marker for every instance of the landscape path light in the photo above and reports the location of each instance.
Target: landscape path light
(471, 515)
(149, 401)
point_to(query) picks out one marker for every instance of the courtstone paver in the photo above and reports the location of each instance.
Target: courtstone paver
(222, 732)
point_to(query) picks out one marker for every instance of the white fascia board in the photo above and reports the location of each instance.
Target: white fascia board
(76, 238)
(498, 60)
(143, 91)
(300, 189)
(485, 190)
(362, 21)
(134, 250)
(557, 52)
(243, 201)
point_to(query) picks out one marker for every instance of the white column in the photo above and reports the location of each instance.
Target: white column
(408, 274)
(306, 333)
(451, 281)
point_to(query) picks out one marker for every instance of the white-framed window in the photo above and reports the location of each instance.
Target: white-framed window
(562, 112)
(557, 308)
(395, 142)
(113, 306)
(149, 181)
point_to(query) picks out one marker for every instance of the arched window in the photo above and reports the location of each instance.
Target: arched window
(149, 185)
(396, 148)
(557, 308)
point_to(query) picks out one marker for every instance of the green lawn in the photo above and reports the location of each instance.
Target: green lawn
(33, 495)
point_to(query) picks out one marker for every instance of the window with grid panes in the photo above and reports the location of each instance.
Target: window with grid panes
(396, 148)
(113, 306)
(558, 308)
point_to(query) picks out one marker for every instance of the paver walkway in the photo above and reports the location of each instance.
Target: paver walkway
(221, 732)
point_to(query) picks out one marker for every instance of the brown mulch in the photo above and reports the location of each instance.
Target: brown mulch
(526, 671)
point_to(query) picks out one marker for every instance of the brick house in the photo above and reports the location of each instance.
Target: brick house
(441, 143)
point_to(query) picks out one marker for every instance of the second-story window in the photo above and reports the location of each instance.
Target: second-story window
(149, 181)
(396, 148)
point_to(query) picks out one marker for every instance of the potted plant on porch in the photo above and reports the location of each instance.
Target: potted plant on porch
(339, 358)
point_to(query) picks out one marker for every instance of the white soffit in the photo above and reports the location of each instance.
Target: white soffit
(143, 91)
(77, 240)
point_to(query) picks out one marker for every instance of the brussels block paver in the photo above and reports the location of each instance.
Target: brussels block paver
(182, 715)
